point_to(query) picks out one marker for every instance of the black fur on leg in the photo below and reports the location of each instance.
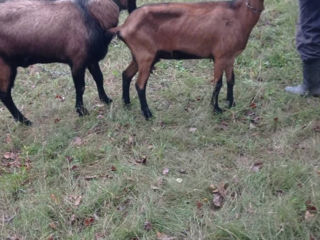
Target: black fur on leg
(126, 88)
(143, 101)
(230, 97)
(215, 97)
(7, 100)
(96, 73)
(78, 79)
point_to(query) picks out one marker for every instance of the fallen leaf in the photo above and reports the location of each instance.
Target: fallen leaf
(88, 221)
(256, 167)
(182, 171)
(308, 216)
(57, 120)
(165, 171)
(73, 219)
(142, 160)
(77, 200)
(218, 200)
(89, 178)
(53, 226)
(147, 226)
(10, 155)
(54, 199)
(100, 236)
(69, 159)
(199, 205)
(59, 97)
(162, 236)
(130, 140)
(253, 105)
(113, 168)
(74, 167)
(77, 141)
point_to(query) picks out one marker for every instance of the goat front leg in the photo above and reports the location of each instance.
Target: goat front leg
(7, 77)
(141, 84)
(78, 79)
(127, 76)
(230, 84)
(218, 74)
(96, 73)
(7, 100)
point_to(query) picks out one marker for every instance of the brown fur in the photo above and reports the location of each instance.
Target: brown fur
(72, 32)
(218, 30)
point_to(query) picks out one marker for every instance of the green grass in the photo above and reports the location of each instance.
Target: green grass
(63, 157)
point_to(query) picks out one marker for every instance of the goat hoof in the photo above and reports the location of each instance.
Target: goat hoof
(147, 114)
(126, 102)
(82, 111)
(217, 110)
(26, 122)
(232, 104)
(106, 100)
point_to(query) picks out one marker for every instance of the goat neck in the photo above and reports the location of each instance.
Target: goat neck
(250, 12)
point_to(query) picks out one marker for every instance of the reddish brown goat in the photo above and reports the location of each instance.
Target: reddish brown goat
(72, 32)
(216, 30)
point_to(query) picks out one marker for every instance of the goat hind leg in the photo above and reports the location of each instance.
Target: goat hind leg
(78, 79)
(218, 74)
(141, 84)
(230, 84)
(97, 75)
(127, 76)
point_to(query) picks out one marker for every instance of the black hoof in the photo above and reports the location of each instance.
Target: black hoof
(26, 122)
(218, 110)
(147, 114)
(106, 100)
(82, 111)
(232, 104)
(126, 101)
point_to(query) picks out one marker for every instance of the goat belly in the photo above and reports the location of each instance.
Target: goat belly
(176, 55)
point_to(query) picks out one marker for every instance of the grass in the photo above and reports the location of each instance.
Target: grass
(82, 178)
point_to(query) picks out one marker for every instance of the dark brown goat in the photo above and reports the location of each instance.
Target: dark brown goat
(216, 30)
(72, 32)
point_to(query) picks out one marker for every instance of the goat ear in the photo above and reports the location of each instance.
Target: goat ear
(131, 5)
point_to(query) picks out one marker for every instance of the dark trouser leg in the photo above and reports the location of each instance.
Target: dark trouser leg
(311, 76)
(96, 73)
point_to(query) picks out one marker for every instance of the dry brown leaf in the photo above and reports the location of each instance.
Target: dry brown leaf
(218, 200)
(77, 141)
(147, 226)
(77, 200)
(142, 160)
(10, 155)
(53, 226)
(88, 221)
(256, 167)
(54, 199)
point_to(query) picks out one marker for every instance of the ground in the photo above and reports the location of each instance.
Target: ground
(252, 172)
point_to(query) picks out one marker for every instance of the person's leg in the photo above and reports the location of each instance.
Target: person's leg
(311, 80)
